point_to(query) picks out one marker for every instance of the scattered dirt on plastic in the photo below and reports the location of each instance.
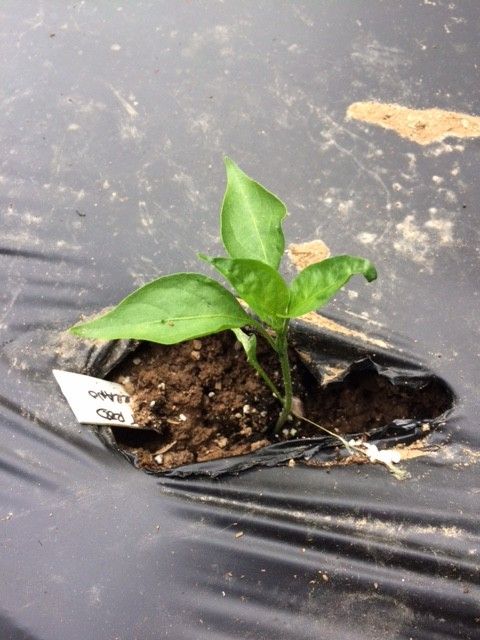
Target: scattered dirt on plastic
(335, 327)
(417, 449)
(307, 253)
(201, 400)
(458, 456)
(332, 373)
(424, 126)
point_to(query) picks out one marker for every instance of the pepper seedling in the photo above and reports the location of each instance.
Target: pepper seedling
(183, 306)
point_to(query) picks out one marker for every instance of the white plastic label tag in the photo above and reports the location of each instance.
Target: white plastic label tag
(95, 401)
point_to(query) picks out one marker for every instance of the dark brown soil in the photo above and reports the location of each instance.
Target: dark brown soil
(201, 400)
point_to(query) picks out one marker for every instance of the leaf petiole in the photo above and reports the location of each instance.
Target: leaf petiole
(249, 343)
(264, 333)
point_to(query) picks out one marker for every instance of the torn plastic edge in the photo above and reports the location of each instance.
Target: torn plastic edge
(99, 359)
(321, 448)
(324, 351)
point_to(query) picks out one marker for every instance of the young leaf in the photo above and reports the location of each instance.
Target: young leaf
(262, 288)
(251, 219)
(168, 310)
(316, 284)
(249, 343)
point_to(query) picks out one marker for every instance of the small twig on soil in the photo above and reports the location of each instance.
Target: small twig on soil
(166, 448)
(338, 437)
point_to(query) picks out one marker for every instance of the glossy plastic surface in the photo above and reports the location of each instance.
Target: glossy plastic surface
(114, 120)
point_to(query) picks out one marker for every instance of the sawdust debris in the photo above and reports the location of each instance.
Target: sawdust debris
(306, 253)
(424, 126)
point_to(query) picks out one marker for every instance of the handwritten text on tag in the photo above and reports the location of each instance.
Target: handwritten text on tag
(95, 401)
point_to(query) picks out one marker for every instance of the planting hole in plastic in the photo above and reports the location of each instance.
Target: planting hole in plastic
(365, 399)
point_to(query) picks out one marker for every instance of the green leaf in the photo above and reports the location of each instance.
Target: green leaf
(262, 288)
(249, 344)
(168, 310)
(251, 219)
(315, 285)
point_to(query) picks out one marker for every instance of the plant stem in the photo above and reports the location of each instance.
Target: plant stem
(282, 350)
